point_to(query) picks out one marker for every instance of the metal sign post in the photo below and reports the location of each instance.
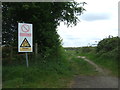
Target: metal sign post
(27, 60)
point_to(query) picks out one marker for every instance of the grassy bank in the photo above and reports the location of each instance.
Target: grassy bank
(105, 60)
(39, 75)
(79, 66)
(54, 73)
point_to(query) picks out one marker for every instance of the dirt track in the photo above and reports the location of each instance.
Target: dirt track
(103, 80)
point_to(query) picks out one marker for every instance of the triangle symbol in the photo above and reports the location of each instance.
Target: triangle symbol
(25, 43)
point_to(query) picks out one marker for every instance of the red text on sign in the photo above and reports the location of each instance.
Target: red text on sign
(25, 34)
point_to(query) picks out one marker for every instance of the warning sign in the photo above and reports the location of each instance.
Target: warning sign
(25, 43)
(25, 37)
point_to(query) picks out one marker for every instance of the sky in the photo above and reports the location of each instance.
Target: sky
(98, 21)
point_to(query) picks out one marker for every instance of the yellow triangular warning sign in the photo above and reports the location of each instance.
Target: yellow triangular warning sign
(25, 43)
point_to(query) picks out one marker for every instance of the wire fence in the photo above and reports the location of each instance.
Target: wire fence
(11, 51)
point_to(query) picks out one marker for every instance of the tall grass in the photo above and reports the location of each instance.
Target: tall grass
(46, 73)
(41, 73)
(105, 60)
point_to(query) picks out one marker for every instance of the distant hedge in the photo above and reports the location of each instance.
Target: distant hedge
(109, 47)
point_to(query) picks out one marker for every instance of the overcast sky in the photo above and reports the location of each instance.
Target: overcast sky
(98, 21)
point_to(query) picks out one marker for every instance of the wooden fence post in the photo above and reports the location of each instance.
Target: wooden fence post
(36, 49)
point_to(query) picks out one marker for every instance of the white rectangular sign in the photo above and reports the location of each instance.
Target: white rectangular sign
(25, 42)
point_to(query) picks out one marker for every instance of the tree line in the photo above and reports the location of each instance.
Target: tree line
(45, 17)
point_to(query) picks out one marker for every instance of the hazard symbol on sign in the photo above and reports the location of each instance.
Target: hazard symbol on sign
(25, 43)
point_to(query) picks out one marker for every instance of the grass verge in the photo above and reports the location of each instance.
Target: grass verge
(54, 73)
(105, 62)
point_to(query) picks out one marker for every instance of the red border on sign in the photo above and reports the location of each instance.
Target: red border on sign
(24, 29)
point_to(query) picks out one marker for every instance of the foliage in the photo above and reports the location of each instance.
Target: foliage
(104, 61)
(55, 74)
(45, 17)
(40, 74)
(106, 54)
(86, 49)
(80, 66)
(107, 44)
(108, 47)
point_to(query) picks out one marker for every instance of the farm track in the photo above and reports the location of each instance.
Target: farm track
(102, 80)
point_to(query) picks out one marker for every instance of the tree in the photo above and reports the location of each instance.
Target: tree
(45, 17)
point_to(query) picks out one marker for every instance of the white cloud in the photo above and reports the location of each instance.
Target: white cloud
(99, 21)
(95, 16)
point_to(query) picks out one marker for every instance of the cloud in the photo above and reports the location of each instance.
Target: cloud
(77, 42)
(73, 42)
(87, 32)
(95, 16)
(98, 22)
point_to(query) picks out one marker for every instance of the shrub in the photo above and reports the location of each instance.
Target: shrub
(108, 47)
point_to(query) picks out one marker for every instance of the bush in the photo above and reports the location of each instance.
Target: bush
(108, 48)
